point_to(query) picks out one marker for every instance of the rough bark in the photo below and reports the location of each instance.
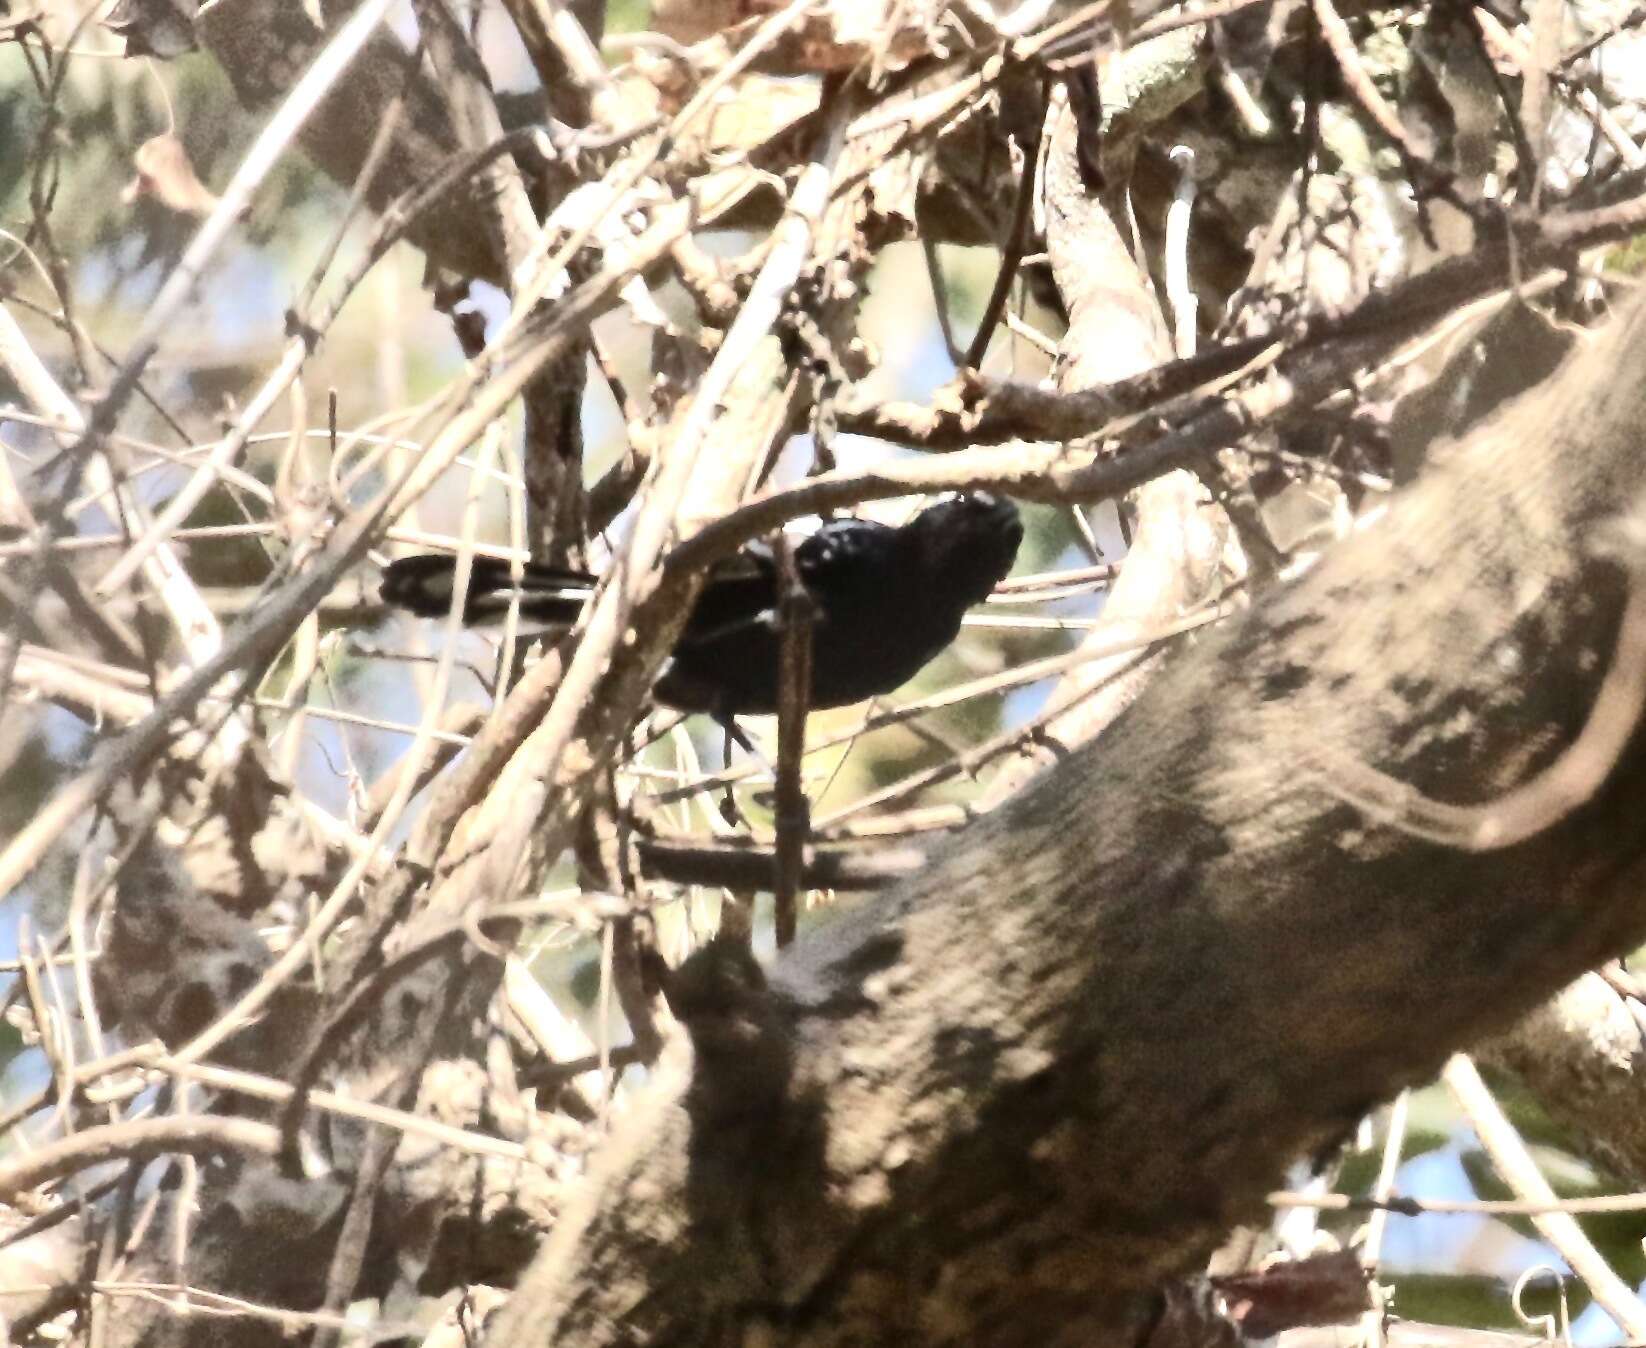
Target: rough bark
(1583, 1055)
(1008, 1100)
(262, 49)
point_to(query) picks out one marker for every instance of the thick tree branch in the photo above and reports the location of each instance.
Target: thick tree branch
(259, 45)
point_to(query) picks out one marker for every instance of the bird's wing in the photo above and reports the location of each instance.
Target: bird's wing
(745, 590)
(843, 546)
(850, 563)
(739, 592)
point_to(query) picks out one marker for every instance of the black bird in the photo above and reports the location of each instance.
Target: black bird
(887, 601)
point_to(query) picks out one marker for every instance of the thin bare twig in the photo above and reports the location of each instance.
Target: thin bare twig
(1512, 1161)
(1402, 1206)
(797, 611)
(272, 142)
(197, 1134)
(261, 635)
(1011, 254)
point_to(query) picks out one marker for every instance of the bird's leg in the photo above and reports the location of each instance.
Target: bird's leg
(733, 735)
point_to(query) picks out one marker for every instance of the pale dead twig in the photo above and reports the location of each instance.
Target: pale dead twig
(220, 460)
(192, 619)
(331, 910)
(544, 24)
(281, 129)
(1513, 50)
(150, 1062)
(1357, 79)
(186, 1299)
(86, 1073)
(200, 1134)
(1180, 293)
(1591, 1206)
(109, 691)
(408, 772)
(1560, 1228)
(1383, 1186)
(484, 392)
(52, 1027)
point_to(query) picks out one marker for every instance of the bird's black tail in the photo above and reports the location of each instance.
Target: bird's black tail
(423, 585)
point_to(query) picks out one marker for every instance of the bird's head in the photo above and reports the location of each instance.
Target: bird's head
(967, 543)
